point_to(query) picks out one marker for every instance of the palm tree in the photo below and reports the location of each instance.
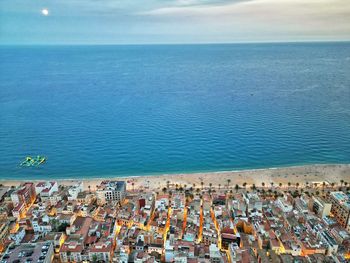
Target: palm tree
(176, 187)
(341, 182)
(219, 186)
(272, 184)
(164, 190)
(345, 184)
(210, 185)
(280, 185)
(244, 185)
(253, 187)
(289, 184)
(236, 187)
(297, 185)
(133, 186)
(228, 183)
(168, 184)
(323, 186)
(89, 188)
(202, 184)
(307, 184)
(263, 184)
(332, 184)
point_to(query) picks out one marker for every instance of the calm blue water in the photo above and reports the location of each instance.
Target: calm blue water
(132, 110)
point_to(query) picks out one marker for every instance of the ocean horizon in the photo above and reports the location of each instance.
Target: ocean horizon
(158, 109)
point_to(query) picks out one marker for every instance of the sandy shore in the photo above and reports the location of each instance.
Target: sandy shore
(294, 174)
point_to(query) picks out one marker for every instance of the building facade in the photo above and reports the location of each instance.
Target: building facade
(109, 191)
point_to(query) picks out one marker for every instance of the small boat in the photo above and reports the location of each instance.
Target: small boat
(30, 161)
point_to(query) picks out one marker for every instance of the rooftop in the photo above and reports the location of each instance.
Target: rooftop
(342, 198)
(29, 252)
(112, 185)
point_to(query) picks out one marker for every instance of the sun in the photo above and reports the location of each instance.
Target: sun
(45, 12)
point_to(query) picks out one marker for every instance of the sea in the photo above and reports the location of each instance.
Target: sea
(133, 110)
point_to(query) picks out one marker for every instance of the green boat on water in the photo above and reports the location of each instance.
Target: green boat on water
(36, 161)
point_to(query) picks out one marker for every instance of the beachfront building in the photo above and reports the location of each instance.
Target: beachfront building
(340, 208)
(46, 189)
(111, 191)
(74, 190)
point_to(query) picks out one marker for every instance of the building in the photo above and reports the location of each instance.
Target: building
(4, 230)
(101, 251)
(320, 206)
(284, 205)
(329, 241)
(74, 190)
(30, 252)
(19, 235)
(46, 189)
(162, 202)
(215, 255)
(71, 251)
(41, 225)
(24, 194)
(19, 211)
(109, 191)
(340, 208)
(72, 248)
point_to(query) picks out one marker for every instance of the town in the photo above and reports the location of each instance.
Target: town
(115, 222)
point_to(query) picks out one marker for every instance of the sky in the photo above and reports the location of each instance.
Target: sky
(172, 21)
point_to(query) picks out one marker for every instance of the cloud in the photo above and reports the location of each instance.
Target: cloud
(265, 18)
(256, 7)
(174, 21)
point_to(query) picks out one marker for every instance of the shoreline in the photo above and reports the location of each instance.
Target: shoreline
(151, 174)
(303, 173)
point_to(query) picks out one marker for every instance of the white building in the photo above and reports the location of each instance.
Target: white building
(169, 252)
(284, 205)
(162, 202)
(41, 225)
(109, 191)
(47, 188)
(74, 190)
(215, 255)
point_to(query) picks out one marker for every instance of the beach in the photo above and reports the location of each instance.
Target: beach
(318, 173)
